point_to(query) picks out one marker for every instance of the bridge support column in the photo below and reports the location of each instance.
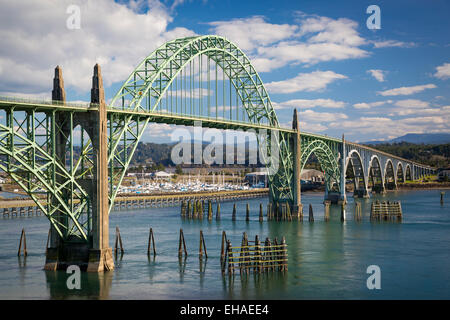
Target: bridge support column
(55, 250)
(94, 255)
(100, 253)
(297, 210)
(342, 195)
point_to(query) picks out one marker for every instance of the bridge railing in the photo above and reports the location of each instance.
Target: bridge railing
(49, 102)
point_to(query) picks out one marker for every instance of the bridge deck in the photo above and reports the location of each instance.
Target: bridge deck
(23, 104)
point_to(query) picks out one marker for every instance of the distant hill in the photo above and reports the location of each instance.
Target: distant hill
(417, 138)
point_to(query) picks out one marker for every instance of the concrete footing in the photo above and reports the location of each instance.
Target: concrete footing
(90, 260)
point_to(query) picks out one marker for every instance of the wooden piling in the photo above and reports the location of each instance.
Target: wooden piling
(261, 217)
(326, 204)
(311, 213)
(190, 210)
(288, 212)
(182, 245)
(247, 213)
(343, 212)
(233, 217)
(118, 241)
(442, 197)
(218, 211)
(23, 243)
(230, 258)
(151, 240)
(284, 255)
(223, 247)
(358, 212)
(210, 214)
(202, 246)
(183, 209)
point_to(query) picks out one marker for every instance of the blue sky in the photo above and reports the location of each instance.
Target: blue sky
(318, 56)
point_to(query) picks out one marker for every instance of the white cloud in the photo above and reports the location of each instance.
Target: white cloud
(406, 90)
(35, 39)
(250, 33)
(368, 105)
(412, 103)
(310, 115)
(377, 127)
(393, 43)
(314, 81)
(377, 74)
(443, 72)
(306, 104)
(315, 39)
(414, 106)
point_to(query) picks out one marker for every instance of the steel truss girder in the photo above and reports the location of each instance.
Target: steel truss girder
(28, 154)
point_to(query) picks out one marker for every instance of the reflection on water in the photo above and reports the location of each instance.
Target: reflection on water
(326, 260)
(93, 285)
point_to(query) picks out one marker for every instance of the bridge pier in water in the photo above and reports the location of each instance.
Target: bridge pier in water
(94, 254)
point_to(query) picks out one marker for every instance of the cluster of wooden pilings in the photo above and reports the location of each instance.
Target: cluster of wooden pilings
(279, 211)
(386, 211)
(175, 199)
(270, 256)
(197, 209)
(21, 212)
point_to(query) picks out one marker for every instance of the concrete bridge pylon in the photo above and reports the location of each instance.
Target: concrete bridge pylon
(95, 254)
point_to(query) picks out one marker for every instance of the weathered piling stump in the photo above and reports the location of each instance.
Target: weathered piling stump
(358, 211)
(230, 258)
(210, 213)
(233, 216)
(343, 212)
(442, 197)
(284, 255)
(288, 211)
(202, 247)
(189, 209)
(22, 244)
(311, 213)
(255, 257)
(183, 209)
(202, 209)
(269, 211)
(223, 247)
(326, 204)
(182, 245)
(151, 240)
(118, 242)
(261, 217)
(218, 211)
(247, 213)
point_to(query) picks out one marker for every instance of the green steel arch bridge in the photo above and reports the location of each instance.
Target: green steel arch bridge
(205, 79)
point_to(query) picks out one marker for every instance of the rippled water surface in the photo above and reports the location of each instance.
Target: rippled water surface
(326, 260)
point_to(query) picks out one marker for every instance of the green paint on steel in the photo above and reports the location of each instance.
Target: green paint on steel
(166, 87)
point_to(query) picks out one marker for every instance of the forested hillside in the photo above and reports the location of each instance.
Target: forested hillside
(436, 155)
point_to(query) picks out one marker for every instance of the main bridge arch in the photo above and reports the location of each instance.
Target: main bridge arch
(143, 93)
